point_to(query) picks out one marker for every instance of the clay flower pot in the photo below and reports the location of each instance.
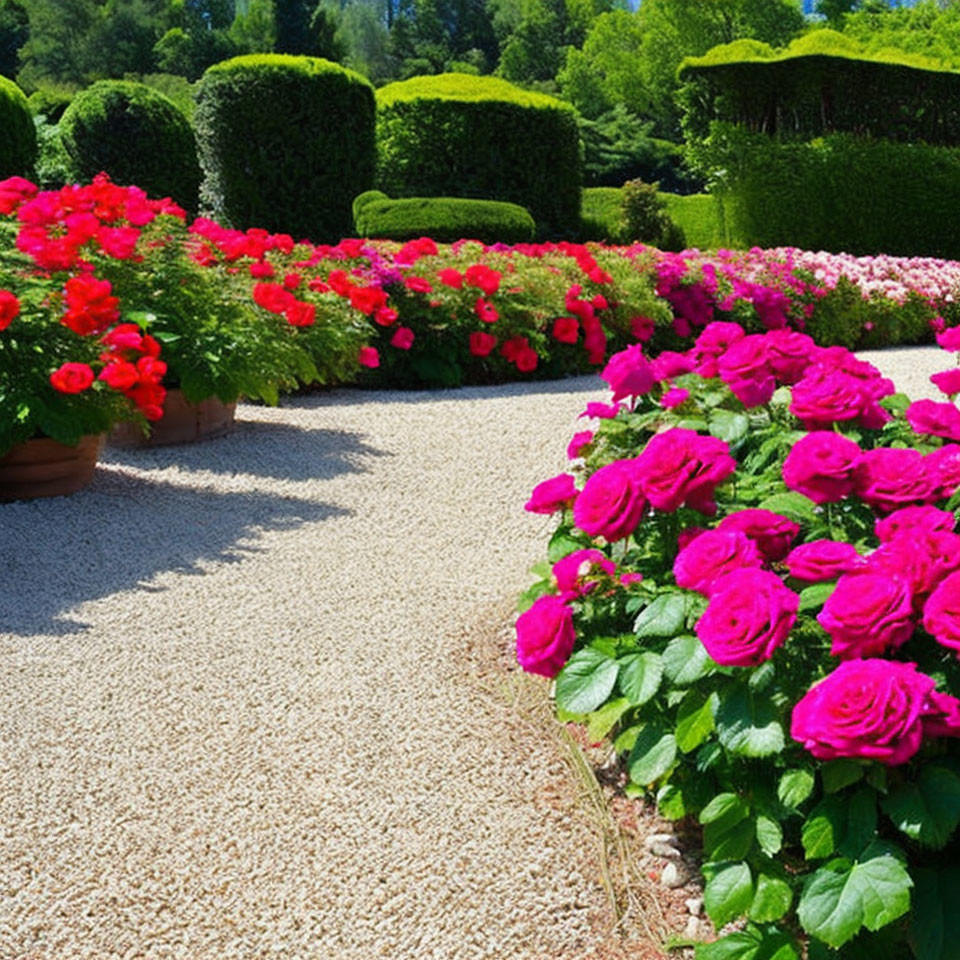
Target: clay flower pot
(182, 422)
(45, 468)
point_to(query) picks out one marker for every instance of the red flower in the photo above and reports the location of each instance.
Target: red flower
(292, 280)
(118, 242)
(300, 314)
(273, 297)
(451, 278)
(149, 399)
(72, 378)
(642, 328)
(9, 308)
(482, 344)
(90, 307)
(385, 316)
(150, 370)
(566, 329)
(339, 282)
(486, 311)
(526, 360)
(484, 278)
(366, 299)
(418, 285)
(368, 357)
(513, 347)
(261, 270)
(317, 285)
(120, 375)
(125, 336)
(402, 338)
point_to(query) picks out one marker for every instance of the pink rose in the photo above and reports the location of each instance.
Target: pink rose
(889, 478)
(602, 411)
(674, 397)
(642, 328)
(670, 364)
(822, 560)
(571, 572)
(552, 495)
(688, 535)
(943, 468)
(941, 718)
(628, 373)
(947, 382)
(908, 520)
(922, 559)
(789, 353)
(771, 532)
(578, 442)
(715, 339)
(869, 709)
(612, 502)
(840, 387)
(749, 615)
(713, 555)
(628, 579)
(745, 369)
(680, 467)
(545, 636)
(941, 612)
(867, 614)
(949, 339)
(820, 466)
(934, 419)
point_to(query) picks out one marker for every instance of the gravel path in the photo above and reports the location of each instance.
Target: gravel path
(237, 718)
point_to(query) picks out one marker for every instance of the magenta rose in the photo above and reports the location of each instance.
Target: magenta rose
(948, 381)
(545, 636)
(749, 615)
(713, 555)
(572, 572)
(910, 520)
(822, 560)
(715, 339)
(826, 396)
(745, 369)
(552, 495)
(888, 478)
(771, 532)
(669, 364)
(868, 709)
(612, 502)
(943, 469)
(922, 559)
(789, 353)
(929, 418)
(941, 613)
(949, 339)
(628, 373)
(820, 466)
(578, 442)
(942, 716)
(602, 411)
(680, 467)
(867, 614)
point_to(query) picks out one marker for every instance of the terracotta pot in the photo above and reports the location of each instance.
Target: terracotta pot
(182, 422)
(44, 468)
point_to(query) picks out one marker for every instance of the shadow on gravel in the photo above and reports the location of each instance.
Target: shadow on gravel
(281, 451)
(118, 534)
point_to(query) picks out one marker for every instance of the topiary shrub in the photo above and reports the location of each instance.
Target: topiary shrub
(135, 134)
(49, 102)
(18, 145)
(362, 199)
(644, 216)
(285, 143)
(445, 219)
(481, 137)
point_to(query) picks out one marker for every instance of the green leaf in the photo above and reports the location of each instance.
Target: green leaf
(728, 831)
(695, 719)
(927, 810)
(838, 774)
(861, 822)
(750, 944)
(769, 835)
(772, 898)
(626, 738)
(725, 808)
(816, 596)
(665, 617)
(935, 920)
(561, 545)
(686, 660)
(602, 721)
(824, 828)
(653, 754)
(793, 506)
(640, 675)
(728, 892)
(794, 787)
(728, 425)
(748, 726)
(843, 895)
(586, 681)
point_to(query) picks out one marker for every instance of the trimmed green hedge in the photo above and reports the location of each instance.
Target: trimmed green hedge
(601, 217)
(49, 102)
(135, 134)
(481, 137)
(445, 219)
(285, 143)
(18, 145)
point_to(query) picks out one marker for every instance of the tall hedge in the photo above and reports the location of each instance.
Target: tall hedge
(137, 135)
(466, 136)
(18, 142)
(286, 143)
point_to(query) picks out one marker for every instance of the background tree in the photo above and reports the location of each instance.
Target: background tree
(14, 32)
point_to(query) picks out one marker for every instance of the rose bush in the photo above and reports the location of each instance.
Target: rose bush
(762, 613)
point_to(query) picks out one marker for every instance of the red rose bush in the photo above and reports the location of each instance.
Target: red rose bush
(754, 592)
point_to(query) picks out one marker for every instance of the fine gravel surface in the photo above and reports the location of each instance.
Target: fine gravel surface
(238, 716)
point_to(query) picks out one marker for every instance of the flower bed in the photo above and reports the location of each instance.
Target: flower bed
(754, 592)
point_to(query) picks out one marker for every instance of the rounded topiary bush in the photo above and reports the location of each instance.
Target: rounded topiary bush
(135, 134)
(18, 145)
(362, 199)
(286, 143)
(445, 219)
(461, 135)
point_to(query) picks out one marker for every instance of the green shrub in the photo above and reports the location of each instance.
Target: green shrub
(644, 212)
(484, 138)
(18, 145)
(53, 168)
(699, 215)
(362, 199)
(285, 143)
(50, 102)
(135, 134)
(445, 219)
(600, 216)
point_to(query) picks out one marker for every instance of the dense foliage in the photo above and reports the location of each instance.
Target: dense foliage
(18, 145)
(116, 126)
(295, 169)
(459, 135)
